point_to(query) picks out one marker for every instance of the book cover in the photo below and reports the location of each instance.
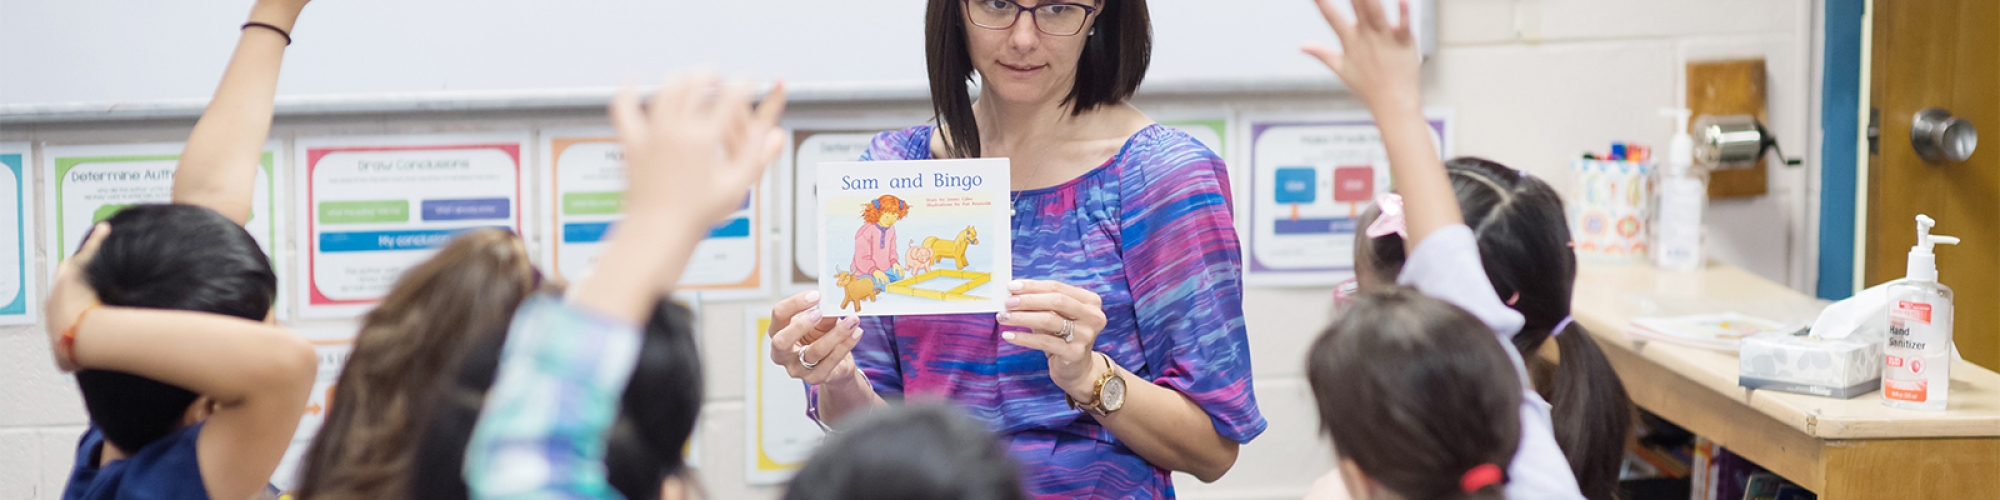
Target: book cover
(914, 237)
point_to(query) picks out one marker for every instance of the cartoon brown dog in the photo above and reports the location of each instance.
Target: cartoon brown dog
(857, 288)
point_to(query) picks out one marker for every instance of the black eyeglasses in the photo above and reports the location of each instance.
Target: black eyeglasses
(1059, 19)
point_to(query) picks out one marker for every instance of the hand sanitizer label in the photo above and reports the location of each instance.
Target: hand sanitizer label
(1919, 343)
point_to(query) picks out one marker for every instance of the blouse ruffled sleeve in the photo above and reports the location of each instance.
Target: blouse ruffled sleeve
(1178, 239)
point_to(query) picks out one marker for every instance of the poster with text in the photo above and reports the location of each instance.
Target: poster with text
(373, 206)
(17, 287)
(813, 144)
(87, 184)
(778, 436)
(584, 197)
(915, 236)
(333, 345)
(1311, 177)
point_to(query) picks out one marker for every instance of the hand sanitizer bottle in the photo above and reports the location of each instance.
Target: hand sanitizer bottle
(1683, 195)
(1917, 373)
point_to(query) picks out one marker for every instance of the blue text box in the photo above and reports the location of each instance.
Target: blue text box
(1313, 226)
(383, 241)
(476, 209)
(585, 232)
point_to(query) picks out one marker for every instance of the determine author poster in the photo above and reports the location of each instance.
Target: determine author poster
(17, 289)
(914, 237)
(374, 206)
(1311, 177)
(584, 200)
(87, 184)
(778, 437)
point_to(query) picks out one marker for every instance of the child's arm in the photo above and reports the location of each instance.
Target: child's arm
(582, 353)
(257, 374)
(218, 168)
(1378, 61)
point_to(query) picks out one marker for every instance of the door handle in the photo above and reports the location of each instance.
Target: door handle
(1940, 137)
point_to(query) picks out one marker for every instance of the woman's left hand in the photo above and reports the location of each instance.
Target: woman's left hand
(1044, 307)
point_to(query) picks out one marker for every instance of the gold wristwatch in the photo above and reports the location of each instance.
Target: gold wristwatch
(1109, 392)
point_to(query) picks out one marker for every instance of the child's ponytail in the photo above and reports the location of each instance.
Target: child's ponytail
(1591, 411)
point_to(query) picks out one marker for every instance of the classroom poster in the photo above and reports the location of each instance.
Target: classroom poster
(585, 189)
(778, 436)
(813, 144)
(87, 184)
(333, 345)
(17, 288)
(373, 206)
(1311, 176)
(915, 237)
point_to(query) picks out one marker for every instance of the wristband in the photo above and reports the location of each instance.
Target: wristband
(281, 31)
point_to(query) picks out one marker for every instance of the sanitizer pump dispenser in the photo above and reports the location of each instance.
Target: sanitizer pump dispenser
(1683, 196)
(1917, 355)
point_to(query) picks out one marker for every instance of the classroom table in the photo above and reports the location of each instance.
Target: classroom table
(1839, 448)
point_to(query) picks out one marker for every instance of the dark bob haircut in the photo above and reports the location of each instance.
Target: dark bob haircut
(1115, 56)
(178, 257)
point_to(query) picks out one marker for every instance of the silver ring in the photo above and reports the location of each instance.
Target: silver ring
(802, 360)
(1068, 332)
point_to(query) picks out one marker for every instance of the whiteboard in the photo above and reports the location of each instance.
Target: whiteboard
(138, 52)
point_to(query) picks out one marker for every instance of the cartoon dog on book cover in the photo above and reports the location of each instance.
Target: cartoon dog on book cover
(911, 244)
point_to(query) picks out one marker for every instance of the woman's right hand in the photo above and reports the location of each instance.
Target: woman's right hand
(801, 334)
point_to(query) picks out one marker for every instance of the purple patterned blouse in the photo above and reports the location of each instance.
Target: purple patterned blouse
(1151, 232)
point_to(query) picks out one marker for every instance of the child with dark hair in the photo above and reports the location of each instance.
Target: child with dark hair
(917, 452)
(1379, 63)
(165, 311)
(656, 414)
(1523, 237)
(567, 368)
(1415, 393)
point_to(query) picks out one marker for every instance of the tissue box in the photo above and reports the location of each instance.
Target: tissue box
(1841, 368)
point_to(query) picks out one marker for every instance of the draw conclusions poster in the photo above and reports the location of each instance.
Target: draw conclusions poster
(17, 289)
(813, 143)
(374, 206)
(585, 192)
(1311, 177)
(778, 436)
(333, 345)
(87, 184)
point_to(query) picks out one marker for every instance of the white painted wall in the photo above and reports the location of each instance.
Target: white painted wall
(1532, 82)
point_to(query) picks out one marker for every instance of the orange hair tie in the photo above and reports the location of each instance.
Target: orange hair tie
(69, 335)
(1479, 478)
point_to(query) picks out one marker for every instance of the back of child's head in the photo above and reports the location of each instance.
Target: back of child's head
(1417, 393)
(473, 284)
(181, 257)
(656, 416)
(1524, 244)
(917, 452)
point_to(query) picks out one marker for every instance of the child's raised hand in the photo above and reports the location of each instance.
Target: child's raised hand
(697, 148)
(1376, 59)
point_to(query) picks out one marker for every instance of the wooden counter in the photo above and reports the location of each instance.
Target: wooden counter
(1840, 448)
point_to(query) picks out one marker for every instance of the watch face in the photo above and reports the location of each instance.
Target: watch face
(1113, 396)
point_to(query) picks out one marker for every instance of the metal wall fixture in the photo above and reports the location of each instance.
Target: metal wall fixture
(1940, 137)
(1732, 142)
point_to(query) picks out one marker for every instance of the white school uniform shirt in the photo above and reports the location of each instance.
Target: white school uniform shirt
(1446, 266)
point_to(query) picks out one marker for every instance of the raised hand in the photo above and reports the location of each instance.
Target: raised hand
(697, 148)
(1378, 60)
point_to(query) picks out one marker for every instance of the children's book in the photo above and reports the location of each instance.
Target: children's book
(914, 237)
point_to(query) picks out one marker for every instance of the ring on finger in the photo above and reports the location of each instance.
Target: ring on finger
(1068, 332)
(802, 360)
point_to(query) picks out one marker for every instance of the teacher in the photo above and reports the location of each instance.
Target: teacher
(1121, 355)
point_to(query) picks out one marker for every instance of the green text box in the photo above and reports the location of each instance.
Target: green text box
(600, 203)
(364, 212)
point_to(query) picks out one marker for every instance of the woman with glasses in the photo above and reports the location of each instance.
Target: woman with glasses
(1121, 355)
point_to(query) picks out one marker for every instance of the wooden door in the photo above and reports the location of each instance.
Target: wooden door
(1942, 54)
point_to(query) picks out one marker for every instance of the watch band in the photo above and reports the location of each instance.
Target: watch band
(1096, 391)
